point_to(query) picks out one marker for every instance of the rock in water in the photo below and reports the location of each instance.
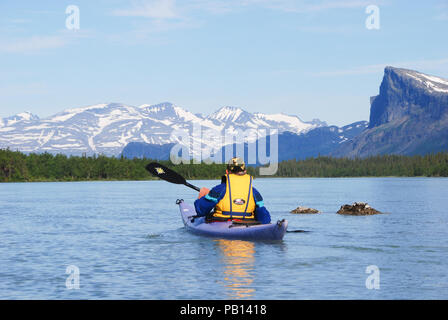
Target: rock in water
(305, 210)
(358, 209)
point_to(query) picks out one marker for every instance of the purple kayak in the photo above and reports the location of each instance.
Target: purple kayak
(229, 230)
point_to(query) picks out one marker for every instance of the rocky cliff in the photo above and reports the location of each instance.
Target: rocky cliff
(409, 116)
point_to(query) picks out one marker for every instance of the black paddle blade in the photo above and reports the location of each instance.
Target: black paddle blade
(164, 173)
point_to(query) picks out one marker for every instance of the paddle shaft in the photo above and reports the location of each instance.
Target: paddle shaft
(192, 186)
(164, 173)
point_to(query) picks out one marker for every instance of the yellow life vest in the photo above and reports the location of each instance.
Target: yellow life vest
(238, 202)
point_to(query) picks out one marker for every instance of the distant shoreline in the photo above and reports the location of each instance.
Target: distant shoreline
(19, 167)
(210, 179)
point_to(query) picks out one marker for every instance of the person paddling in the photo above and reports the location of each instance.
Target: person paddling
(234, 199)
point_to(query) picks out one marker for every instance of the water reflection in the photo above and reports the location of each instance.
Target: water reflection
(237, 259)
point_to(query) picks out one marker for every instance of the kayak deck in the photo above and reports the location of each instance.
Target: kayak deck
(228, 230)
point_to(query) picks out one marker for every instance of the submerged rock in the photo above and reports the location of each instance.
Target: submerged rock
(358, 209)
(305, 210)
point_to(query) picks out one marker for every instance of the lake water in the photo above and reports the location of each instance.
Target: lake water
(128, 241)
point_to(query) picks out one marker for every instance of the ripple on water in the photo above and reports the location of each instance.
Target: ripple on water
(357, 248)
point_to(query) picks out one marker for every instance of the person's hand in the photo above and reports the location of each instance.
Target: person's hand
(203, 192)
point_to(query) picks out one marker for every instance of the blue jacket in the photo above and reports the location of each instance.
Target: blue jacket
(206, 204)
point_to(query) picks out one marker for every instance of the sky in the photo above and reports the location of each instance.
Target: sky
(314, 59)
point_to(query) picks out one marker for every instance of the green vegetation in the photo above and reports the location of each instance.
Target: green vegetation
(431, 165)
(18, 167)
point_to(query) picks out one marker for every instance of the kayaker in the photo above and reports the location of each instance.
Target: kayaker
(235, 198)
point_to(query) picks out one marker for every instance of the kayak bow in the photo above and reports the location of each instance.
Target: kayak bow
(229, 230)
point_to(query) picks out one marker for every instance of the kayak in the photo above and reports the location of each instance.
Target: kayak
(229, 229)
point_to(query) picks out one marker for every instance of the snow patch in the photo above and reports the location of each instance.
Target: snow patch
(433, 83)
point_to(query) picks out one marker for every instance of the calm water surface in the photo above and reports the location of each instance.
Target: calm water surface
(128, 241)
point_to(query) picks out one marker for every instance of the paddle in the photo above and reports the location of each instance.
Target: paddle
(164, 173)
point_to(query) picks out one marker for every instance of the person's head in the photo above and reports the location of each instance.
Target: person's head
(236, 166)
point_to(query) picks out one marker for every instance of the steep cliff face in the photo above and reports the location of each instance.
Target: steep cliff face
(408, 93)
(409, 116)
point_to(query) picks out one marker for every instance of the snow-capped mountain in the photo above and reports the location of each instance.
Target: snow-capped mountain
(318, 141)
(228, 118)
(24, 116)
(108, 128)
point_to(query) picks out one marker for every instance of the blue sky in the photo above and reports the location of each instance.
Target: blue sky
(314, 59)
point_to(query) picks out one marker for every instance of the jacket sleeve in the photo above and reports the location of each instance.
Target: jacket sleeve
(261, 213)
(205, 205)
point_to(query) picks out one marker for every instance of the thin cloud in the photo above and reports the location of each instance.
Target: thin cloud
(170, 9)
(338, 5)
(166, 15)
(159, 16)
(155, 9)
(39, 43)
(291, 6)
(309, 6)
(378, 68)
(19, 21)
(33, 44)
(323, 29)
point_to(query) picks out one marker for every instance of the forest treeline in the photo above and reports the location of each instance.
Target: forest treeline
(19, 167)
(431, 165)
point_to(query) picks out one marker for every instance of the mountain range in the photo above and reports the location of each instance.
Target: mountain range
(108, 128)
(322, 140)
(408, 116)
